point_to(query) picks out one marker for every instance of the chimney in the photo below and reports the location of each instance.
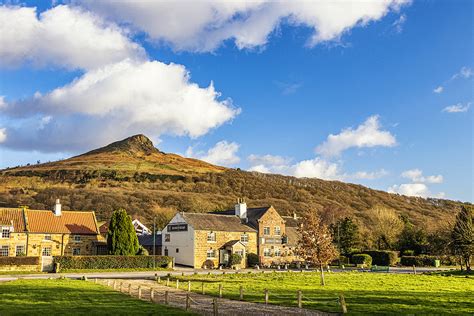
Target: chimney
(57, 208)
(241, 209)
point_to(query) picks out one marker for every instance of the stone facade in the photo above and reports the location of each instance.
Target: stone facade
(202, 245)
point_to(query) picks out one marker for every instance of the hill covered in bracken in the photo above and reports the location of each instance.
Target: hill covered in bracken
(134, 175)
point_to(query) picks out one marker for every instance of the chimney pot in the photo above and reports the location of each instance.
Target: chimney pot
(57, 208)
(241, 209)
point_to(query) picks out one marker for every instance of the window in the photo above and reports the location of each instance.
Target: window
(277, 230)
(46, 252)
(210, 254)
(266, 252)
(211, 237)
(177, 250)
(240, 253)
(6, 232)
(266, 230)
(47, 237)
(77, 238)
(76, 251)
(20, 250)
(167, 237)
(277, 252)
(244, 238)
(4, 251)
(166, 251)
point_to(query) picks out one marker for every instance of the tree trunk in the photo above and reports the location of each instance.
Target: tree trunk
(468, 263)
(323, 283)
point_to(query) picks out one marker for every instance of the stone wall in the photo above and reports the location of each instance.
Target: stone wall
(201, 245)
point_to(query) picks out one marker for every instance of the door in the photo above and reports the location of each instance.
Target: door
(47, 264)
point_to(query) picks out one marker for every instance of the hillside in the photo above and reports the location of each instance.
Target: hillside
(134, 175)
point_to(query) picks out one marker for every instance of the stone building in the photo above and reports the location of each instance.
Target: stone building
(45, 233)
(193, 238)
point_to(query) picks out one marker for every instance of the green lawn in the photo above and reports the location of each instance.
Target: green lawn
(72, 297)
(365, 293)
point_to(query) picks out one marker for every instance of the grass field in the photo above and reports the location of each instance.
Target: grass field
(365, 293)
(72, 297)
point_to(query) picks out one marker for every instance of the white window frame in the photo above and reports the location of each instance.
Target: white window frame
(76, 238)
(277, 230)
(244, 238)
(76, 251)
(277, 252)
(211, 237)
(210, 254)
(266, 230)
(4, 251)
(167, 237)
(20, 246)
(50, 251)
(267, 252)
(6, 232)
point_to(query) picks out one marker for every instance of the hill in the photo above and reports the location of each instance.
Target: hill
(134, 175)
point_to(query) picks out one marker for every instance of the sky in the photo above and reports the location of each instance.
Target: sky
(378, 93)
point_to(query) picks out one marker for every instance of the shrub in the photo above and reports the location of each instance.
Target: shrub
(362, 259)
(111, 262)
(408, 253)
(19, 261)
(208, 264)
(142, 251)
(252, 259)
(383, 258)
(235, 259)
(340, 261)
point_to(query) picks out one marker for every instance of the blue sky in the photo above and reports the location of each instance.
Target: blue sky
(282, 84)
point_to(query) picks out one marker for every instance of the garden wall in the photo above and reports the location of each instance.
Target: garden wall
(19, 264)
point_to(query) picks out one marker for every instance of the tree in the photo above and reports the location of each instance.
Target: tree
(346, 235)
(121, 236)
(315, 242)
(386, 226)
(463, 236)
(412, 238)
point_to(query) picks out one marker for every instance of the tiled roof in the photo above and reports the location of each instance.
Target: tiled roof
(38, 221)
(12, 215)
(290, 221)
(253, 214)
(147, 240)
(293, 235)
(217, 222)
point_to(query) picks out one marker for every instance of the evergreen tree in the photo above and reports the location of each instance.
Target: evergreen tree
(315, 242)
(121, 236)
(346, 235)
(463, 236)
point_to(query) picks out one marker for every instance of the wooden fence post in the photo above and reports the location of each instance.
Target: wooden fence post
(300, 303)
(241, 290)
(342, 302)
(177, 283)
(120, 286)
(214, 302)
(202, 288)
(159, 279)
(114, 284)
(108, 282)
(139, 292)
(188, 301)
(414, 269)
(189, 286)
(152, 294)
(95, 280)
(220, 290)
(266, 296)
(166, 297)
(167, 281)
(130, 289)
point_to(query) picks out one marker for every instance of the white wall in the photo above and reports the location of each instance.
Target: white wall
(184, 241)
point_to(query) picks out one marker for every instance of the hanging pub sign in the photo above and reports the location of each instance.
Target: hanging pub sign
(178, 227)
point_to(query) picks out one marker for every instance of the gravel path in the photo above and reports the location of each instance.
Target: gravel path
(201, 304)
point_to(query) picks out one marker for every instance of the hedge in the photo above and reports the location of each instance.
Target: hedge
(362, 259)
(427, 261)
(111, 262)
(19, 261)
(383, 258)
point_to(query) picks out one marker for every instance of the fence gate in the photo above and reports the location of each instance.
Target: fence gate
(47, 264)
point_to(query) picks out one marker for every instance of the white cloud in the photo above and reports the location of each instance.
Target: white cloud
(367, 134)
(416, 175)
(288, 88)
(270, 160)
(317, 168)
(116, 101)
(249, 24)
(260, 168)
(438, 89)
(457, 108)
(398, 24)
(3, 134)
(223, 154)
(464, 72)
(62, 36)
(410, 189)
(365, 175)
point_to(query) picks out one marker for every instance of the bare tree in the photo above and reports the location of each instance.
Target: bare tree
(315, 242)
(386, 226)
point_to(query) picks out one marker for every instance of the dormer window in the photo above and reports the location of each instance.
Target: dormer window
(211, 237)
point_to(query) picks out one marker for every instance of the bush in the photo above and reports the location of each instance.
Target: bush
(142, 251)
(340, 261)
(252, 259)
(383, 258)
(362, 259)
(111, 262)
(208, 264)
(235, 259)
(19, 261)
(408, 253)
